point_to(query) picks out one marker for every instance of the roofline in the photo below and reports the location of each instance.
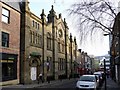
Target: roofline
(11, 6)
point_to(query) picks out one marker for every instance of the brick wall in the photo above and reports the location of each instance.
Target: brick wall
(13, 29)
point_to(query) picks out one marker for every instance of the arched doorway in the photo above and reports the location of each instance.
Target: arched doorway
(35, 68)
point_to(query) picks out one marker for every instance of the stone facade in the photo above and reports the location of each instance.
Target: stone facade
(31, 45)
(45, 47)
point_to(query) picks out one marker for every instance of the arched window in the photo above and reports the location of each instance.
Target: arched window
(58, 63)
(40, 40)
(33, 23)
(36, 39)
(48, 41)
(33, 37)
(30, 36)
(59, 45)
(63, 47)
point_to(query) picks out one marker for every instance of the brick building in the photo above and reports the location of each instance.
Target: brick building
(45, 46)
(31, 45)
(9, 42)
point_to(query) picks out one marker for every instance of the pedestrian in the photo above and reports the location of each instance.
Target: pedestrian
(40, 78)
(91, 73)
(107, 74)
(69, 77)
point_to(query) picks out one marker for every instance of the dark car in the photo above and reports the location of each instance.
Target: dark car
(100, 76)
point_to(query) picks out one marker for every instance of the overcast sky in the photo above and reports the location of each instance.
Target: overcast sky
(100, 47)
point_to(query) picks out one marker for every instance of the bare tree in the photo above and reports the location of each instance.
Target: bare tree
(93, 17)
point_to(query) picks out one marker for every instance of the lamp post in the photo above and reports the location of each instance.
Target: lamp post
(105, 74)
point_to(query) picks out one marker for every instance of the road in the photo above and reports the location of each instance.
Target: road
(60, 85)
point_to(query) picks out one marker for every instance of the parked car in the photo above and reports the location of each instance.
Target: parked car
(98, 80)
(100, 74)
(87, 82)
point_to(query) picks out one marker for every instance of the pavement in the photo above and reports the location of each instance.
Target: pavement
(35, 85)
(110, 85)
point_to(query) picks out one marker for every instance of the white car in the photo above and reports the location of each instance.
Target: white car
(87, 82)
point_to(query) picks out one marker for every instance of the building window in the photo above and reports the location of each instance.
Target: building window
(38, 26)
(49, 41)
(61, 64)
(58, 46)
(63, 50)
(5, 15)
(40, 40)
(9, 66)
(30, 36)
(35, 39)
(5, 39)
(58, 64)
(33, 23)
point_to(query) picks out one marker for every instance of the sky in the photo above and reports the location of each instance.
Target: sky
(98, 48)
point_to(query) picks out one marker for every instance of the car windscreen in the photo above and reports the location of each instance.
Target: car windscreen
(87, 78)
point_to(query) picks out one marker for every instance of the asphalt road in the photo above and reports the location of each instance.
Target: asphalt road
(60, 85)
